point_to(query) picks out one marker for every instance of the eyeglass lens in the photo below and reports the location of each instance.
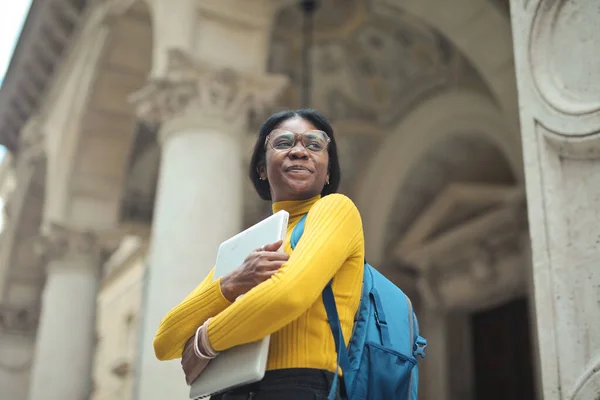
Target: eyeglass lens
(315, 141)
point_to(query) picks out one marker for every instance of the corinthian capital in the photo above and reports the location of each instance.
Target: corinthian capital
(57, 242)
(196, 88)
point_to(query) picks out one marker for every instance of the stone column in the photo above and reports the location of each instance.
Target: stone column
(202, 112)
(557, 57)
(66, 333)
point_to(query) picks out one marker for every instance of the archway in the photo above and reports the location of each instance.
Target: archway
(371, 68)
(110, 187)
(444, 216)
(88, 133)
(438, 117)
(461, 229)
(89, 178)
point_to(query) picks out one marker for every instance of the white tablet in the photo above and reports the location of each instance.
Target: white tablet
(247, 363)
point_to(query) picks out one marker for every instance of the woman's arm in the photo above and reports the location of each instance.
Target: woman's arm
(206, 301)
(332, 234)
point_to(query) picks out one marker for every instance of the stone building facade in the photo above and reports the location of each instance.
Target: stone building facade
(468, 133)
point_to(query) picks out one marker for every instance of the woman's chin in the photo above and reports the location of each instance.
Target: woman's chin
(303, 191)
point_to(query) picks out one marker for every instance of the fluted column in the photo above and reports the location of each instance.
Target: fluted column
(202, 112)
(66, 335)
(557, 61)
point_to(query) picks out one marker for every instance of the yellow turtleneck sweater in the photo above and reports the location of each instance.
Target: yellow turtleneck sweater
(288, 305)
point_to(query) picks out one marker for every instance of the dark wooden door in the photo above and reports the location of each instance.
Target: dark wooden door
(502, 353)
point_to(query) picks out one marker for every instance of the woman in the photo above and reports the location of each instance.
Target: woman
(295, 166)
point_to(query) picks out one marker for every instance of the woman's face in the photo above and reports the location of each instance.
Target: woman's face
(296, 173)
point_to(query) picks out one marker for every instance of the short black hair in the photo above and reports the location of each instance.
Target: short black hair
(259, 153)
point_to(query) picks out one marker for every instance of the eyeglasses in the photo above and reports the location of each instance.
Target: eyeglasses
(314, 141)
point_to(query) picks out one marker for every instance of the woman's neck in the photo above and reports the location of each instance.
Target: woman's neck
(295, 207)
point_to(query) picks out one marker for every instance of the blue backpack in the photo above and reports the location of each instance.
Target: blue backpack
(380, 361)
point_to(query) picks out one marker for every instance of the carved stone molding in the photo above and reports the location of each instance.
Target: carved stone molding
(468, 262)
(208, 93)
(58, 242)
(560, 49)
(565, 76)
(588, 384)
(32, 145)
(583, 146)
(18, 320)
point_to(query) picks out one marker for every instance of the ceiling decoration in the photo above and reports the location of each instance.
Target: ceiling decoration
(366, 66)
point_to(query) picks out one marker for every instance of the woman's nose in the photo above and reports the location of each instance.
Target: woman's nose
(298, 151)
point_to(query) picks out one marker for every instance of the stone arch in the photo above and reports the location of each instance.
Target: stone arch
(462, 158)
(441, 116)
(451, 231)
(474, 27)
(370, 67)
(91, 178)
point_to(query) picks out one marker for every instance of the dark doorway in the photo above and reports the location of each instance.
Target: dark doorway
(502, 353)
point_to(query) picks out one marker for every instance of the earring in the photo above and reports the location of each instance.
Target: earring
(327, 182)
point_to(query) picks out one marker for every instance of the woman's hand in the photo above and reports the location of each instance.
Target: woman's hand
(192, 365)
(259, 266)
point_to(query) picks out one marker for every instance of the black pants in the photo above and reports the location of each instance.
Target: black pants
(286, 384)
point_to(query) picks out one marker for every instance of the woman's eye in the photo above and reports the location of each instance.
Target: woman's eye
(283, 143)
(315, 146)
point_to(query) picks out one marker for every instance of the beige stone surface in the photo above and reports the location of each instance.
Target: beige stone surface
(117, 325)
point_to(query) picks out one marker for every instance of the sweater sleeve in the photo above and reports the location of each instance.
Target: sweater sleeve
(181, 322)
(333, 233)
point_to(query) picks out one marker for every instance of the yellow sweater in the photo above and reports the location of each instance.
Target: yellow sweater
(288, 305)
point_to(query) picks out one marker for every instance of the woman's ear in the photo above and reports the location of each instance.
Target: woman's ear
(262, 172)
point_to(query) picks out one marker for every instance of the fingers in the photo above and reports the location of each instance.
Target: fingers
(272, 246)
(272, 265)
(268, 270)
(274, 256)
(193, 369)
(270, 254)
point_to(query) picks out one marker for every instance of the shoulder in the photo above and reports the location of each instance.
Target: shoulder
(336, 204)
(335, 200)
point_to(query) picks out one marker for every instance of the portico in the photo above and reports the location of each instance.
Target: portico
(479, 202)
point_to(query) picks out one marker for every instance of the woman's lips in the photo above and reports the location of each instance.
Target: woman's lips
(298, 170)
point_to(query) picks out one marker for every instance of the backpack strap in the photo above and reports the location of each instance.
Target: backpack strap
(298, 231)
(332, 316)
(338, 337)
(384, 332)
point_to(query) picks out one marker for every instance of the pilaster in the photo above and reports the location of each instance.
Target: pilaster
(557, 58)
